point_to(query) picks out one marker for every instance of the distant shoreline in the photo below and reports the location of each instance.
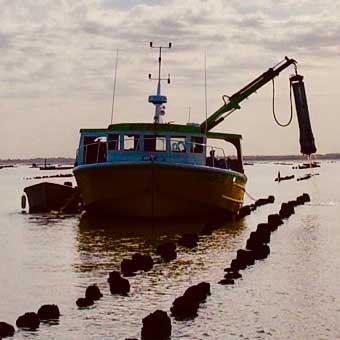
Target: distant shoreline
(65, 160)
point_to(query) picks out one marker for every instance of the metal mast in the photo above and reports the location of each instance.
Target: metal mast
(158, 100)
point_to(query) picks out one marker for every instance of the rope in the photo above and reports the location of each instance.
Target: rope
(291, 107)
(250, 196)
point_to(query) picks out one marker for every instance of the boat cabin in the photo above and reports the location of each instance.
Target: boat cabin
(171, 143)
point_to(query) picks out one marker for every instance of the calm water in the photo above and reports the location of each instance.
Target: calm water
(293, 294)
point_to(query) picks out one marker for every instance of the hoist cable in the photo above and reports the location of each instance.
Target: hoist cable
(291, 106)
(250, 196)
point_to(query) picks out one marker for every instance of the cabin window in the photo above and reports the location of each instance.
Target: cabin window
(113, 141)
(154, 143)
(94, 149)
(131, 142)
(177, 144)
(196, 145)
(90, 149)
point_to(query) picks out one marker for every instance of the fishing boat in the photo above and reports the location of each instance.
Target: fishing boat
(163, 170)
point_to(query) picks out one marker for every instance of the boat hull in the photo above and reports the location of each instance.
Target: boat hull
(46, 196)
(162, 190)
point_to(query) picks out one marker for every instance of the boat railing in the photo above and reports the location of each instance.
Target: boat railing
(181, 150)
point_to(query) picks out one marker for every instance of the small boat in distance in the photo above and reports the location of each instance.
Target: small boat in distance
(52, 167)
(165, 170)
(313, 164)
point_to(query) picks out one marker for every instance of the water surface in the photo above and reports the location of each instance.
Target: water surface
(293, 294)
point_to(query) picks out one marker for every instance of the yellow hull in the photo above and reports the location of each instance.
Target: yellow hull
(159, 189)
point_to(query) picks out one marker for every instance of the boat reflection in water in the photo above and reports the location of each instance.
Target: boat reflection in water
(104, 242)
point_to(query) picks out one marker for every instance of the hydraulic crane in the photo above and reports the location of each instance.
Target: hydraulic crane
(245, 92)
(306, 135)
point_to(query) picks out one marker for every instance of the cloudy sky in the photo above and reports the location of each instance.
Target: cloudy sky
(57, 60)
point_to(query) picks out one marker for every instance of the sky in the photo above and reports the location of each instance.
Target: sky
(57, 62)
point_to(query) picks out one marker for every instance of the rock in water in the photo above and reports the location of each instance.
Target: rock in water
(28, 320)
(226, 282)
(188, 240)
(167, 251)
(233, 275)
(274, 221)
(184, 307)
(142, 262)
(156, 326)
(6, 330)
(306, 197)
(93, 293)
(128, 266)
(84, 302)
(118, 285)
(48, 312)
(198, 292)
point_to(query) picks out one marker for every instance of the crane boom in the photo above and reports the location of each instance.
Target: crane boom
(245, 92)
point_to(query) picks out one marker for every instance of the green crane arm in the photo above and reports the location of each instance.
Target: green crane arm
(236, 98)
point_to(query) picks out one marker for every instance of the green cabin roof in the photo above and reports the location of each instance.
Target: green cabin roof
(165, 128)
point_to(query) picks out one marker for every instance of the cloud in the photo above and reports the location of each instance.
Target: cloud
(65, 49)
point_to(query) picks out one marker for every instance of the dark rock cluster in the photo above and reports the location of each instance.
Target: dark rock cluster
(156, 326)
(209, 228)
(137, 262)
(186, 306)
(118, 285)
(188, 240)
(6, 330)
(28, 320)
(92, 294)
(48, 312)
(167, 251)
(84, 302)
(247, 209)
(257, 247)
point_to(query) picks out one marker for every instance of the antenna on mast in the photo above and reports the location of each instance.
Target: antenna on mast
(158, 100)
(205, 90)
(114, 86)
(189, 114)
